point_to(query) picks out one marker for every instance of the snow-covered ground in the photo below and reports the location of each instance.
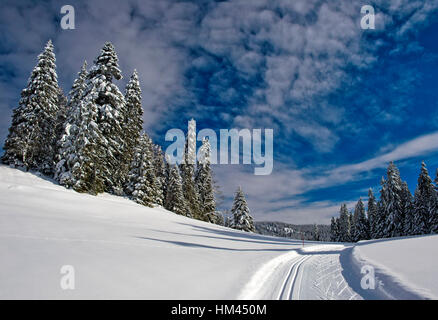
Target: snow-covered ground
(407, 267)
(120, 249)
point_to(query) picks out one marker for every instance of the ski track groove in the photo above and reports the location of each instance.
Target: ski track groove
(297, 280)
(305, 276)
(288, 276)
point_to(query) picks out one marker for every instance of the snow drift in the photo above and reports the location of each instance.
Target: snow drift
(406, 267)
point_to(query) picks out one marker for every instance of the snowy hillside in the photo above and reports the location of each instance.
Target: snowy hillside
(120, 249)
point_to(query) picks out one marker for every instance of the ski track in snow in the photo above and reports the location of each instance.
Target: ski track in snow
(292, 282)
(313, 273)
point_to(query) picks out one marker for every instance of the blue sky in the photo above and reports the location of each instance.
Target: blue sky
(342, 101)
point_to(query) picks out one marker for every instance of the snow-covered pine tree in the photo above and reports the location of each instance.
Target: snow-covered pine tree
(436, 181)
(361, 223)
(219, 199)
(204, 184)
(393, 212)
(133, 121)
(174, 200)
(89, 148)
(31, 142)
(316, 233)
(351, 222)
(228, 218)
(434, 220)
(167, 168)
(344, 224)
(219, 218)
(418, 224)
(241, 214)
(187, 168)
(160, 173)
(61, 118)
(141, 182)
(338, 233)
(354, 234)
(407, 207)
(67, 153)
(380, 220)
(424, 202)
(372, 213)
(111, 106)
(334, 231)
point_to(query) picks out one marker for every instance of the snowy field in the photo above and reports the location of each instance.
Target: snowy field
(122, 250)
(408, 266)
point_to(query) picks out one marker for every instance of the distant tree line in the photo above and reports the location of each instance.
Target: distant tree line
(93, 142)
(397, 213)
(313, 232)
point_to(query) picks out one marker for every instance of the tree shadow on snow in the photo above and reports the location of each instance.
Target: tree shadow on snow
(232, 238)
(245, 235)
(386, 287)
(198, 245)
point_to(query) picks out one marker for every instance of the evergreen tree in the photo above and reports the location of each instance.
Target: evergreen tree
(87, 172)
(67, 153)
(436, 181)
(334, 230)
(424, 203)
(103, 94)
(228, 218)
(133, 121)
(141, 180)
(316, 233)
(219, 200)
(407, 208)
(351, 223)
(372, 214)
(338, 235)
(219, 218)
(434, 220)
(393, 211)
(354, 234)
(174, 200)
(344, 224)
(361, 224)
(381, 210)
(61, 118)
(241, 214)
(166, 178)
(204, 184)
(31, 142)
(160, 173)
(187, 168)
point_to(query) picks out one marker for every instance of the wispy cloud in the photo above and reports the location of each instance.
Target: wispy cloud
(415, 148)
(283, 194)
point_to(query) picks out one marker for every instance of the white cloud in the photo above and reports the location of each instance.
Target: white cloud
(415, 148)
(307, 56)
(282, 195)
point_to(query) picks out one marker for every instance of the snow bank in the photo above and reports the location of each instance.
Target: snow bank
(405, 267)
